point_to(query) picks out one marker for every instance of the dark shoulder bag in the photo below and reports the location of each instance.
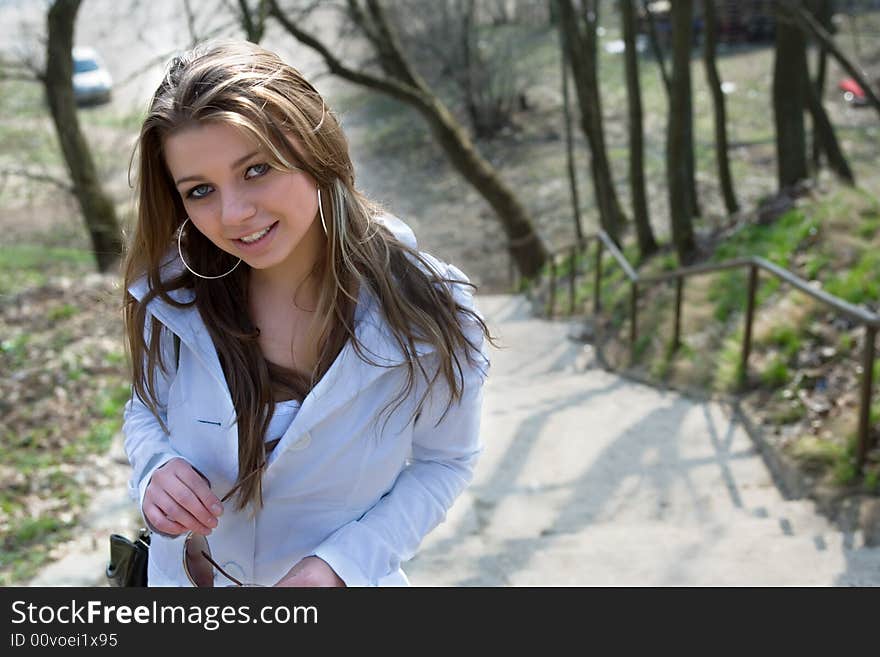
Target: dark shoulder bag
(128, 559)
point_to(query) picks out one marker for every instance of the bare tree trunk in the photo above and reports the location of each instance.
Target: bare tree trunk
(823, 16)
(569, 148)
(693, 198)
(402, 83)
(96, 207)
(789, 100)
(823, 131)
(693, 202)
(647, 243)
(677, 133)
(721, 153)
(809, 25)
(579, 40)
(824, 138)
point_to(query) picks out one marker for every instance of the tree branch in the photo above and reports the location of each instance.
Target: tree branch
(655, 46)
(164, 57)
(38, 177)
(253, 20)
(356, 13)
(22, 75)
(388, 46)
(393, 88)
(190, 23)
(21, 69)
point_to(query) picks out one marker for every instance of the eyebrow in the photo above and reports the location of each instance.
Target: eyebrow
(234, 165)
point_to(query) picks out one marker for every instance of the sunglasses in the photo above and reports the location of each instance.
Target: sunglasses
(198, 564)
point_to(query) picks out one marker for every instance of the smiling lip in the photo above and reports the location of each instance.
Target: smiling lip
(258, 243)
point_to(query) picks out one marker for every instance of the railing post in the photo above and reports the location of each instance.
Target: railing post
(597, 285)
(747, 332)
(633, 320)
(867, 386)
(676, 334)
(552, 304)
(573, 272)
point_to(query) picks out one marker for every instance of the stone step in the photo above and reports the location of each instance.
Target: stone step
(649, 554)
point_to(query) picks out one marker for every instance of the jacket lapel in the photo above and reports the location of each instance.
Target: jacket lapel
(350, 374)
(185, 322)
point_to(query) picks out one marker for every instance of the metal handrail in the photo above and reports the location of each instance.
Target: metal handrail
(871, 321)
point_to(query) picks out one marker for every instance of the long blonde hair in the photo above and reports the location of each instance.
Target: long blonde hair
(242, 84)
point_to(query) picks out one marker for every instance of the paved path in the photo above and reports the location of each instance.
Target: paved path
(590, 479)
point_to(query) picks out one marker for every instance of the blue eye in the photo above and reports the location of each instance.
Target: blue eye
(195, 194)
(259, 170)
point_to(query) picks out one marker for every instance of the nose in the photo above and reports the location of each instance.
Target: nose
(237, 208)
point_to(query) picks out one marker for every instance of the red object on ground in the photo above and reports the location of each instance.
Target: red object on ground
(852, 92)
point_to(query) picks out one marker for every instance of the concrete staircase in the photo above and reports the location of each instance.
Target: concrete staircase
(590, 479)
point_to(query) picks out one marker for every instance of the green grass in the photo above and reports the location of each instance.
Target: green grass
(112, 401)
(872, 480)
(843, 469)
(868, 227)
(861, 283)
(845, 343)
(101, 434)
(661, 367)
(15, 349)
(109, 117)
(668, 261)
(43, 458)
(31, 265)
(26, 546)
(816, 264)
(817, 455)
(776, 242)
(28, 529)
(787, 339)
(62, 312)
(29, 138)
(787, 412)
(643, 342)
(22, 99)
(61, 339)
(36, 144)
(776, 373)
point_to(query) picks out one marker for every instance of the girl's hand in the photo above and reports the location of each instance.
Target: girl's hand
(178, 499)
(311, 572)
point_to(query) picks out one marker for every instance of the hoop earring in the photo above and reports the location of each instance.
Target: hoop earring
(191, 270)
(321, 212)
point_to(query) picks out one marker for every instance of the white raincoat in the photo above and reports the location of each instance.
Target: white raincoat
(336, 486)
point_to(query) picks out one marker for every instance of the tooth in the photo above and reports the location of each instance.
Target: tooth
(253, 237)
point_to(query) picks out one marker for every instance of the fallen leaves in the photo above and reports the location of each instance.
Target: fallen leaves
(61, 400)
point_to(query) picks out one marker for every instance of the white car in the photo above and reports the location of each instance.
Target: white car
(92, 83)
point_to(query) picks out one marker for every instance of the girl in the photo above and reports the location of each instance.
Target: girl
(306, 384)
